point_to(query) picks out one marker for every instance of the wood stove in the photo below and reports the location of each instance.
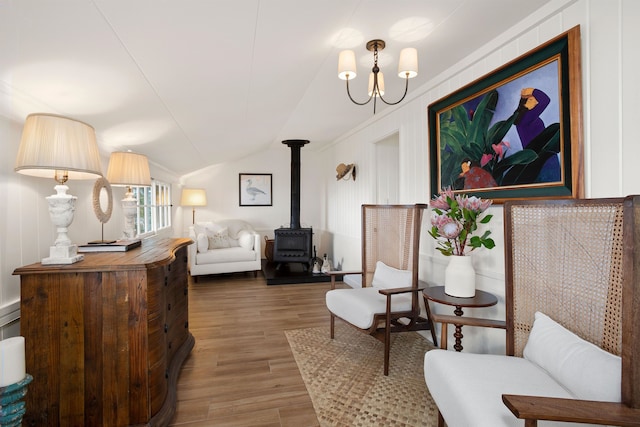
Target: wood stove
(294, 244)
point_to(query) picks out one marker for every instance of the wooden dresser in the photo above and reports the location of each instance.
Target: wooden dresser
(106, 337)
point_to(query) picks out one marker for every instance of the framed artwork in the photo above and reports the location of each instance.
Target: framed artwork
(516, 132)
(255, 189)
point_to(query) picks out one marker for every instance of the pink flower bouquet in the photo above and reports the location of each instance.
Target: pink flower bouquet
(455, 218)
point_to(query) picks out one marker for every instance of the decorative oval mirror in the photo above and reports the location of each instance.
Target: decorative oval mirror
(102, 200)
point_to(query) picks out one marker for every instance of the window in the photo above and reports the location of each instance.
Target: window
(154, 207)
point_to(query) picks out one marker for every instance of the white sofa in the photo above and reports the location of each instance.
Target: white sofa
(225, 246)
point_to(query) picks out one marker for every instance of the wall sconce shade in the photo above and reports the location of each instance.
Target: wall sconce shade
(52, 143)
(193, 197)
(128, 169)
(58, 147)
(407, 69)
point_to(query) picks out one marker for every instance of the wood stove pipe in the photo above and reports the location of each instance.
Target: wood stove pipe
(295, 145)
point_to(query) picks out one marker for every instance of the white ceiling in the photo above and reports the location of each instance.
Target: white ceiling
(191, 83)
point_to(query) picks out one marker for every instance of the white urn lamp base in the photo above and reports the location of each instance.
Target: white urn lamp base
(63, 255)
(129, 208)
(61, 209)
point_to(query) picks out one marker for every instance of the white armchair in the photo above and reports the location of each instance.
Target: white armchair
(225, 246)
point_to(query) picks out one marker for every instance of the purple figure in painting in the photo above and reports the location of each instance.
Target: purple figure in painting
(529, 125)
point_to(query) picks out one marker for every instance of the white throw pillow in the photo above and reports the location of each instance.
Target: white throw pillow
(245, 239)
(218, 240)
(202, 242)
(386, 277)
(581, 367)
(199, 229)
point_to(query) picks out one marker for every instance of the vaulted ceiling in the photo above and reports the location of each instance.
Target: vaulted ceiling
(192, 83)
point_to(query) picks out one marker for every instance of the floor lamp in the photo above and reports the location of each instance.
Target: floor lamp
(193, 197)
(58, 147)
(128, 169)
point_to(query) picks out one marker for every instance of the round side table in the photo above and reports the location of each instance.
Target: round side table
(481, 299)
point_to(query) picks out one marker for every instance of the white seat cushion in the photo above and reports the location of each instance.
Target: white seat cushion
(468, 388)
(357, 306)
(232, 254)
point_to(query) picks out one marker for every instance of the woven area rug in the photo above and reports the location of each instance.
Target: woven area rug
(345, 381)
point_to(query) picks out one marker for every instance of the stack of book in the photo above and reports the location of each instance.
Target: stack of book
(115, 246)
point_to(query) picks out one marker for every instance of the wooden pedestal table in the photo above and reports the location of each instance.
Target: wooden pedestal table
(481, 299)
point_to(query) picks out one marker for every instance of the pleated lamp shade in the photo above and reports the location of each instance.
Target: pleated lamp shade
(55, 143)
(128, 169)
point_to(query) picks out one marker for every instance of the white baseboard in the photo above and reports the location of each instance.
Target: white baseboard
(9, 313)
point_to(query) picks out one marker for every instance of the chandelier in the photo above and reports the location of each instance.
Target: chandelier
(407, 69)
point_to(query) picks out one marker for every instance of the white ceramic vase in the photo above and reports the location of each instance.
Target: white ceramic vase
(460, 277)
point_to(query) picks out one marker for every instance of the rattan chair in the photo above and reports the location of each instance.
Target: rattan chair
(575, 261)
(391, 235)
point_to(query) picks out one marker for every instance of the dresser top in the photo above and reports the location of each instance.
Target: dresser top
(154, 251)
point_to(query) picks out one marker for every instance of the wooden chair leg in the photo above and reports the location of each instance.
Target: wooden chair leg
(387, 336)
(432, 325)
(333, 325)
(387, 346)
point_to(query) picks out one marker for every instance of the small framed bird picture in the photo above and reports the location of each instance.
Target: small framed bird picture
(255, 189)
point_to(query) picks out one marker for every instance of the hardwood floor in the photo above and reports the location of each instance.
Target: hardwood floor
(241, 371)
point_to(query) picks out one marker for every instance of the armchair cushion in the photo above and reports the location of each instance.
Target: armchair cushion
(385, 277)
(583, 368)
(478, 403)
(357, 306)
(226, 255)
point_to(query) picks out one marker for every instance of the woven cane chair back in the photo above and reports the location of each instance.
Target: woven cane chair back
(390, 234)
(564, 258)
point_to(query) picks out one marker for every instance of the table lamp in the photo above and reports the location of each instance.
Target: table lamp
(193, 197)
(61, 148)
(127, 169)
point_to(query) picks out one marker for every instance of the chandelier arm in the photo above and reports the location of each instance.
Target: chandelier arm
(406, 87)
(356, 102)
